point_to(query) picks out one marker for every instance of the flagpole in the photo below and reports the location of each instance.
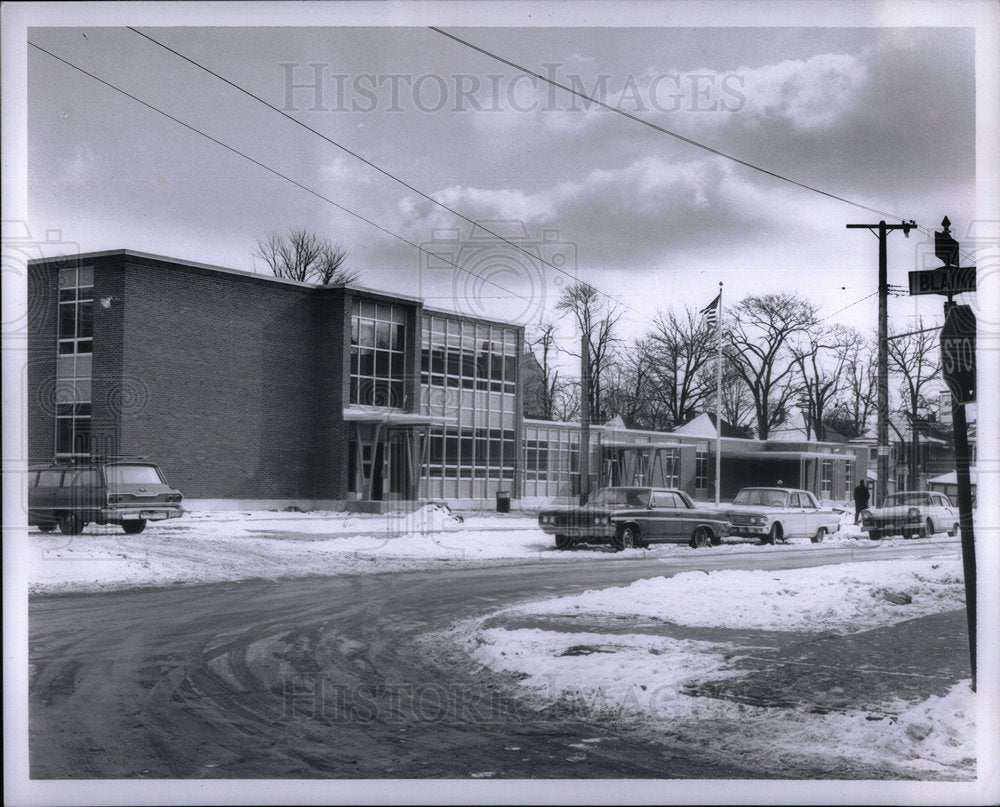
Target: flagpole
(718, 403)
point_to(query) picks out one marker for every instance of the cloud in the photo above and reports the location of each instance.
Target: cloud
(810, 94)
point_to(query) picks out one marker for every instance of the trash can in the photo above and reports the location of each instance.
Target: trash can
(503, 501)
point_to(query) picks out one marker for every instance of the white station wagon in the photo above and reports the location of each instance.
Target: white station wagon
(777, 514)
(911, 513)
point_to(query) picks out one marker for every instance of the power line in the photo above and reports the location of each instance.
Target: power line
(369, 163)
(658, 128)
(850, 305)
(277, 173)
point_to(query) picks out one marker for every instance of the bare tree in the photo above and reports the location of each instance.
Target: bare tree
(856, 402)
(304, 256)
(915, 360)
(761, 327)
(628, 389)
(597, 318)
(821, 355)
(679, 350)
(566, 402)
(737, 405)
(540, 392)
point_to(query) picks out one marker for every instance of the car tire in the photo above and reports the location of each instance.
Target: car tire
(701, 538)
(46, 527)
(875, 535)
(927, 530)
(951, 533)
(628, 538)
(134, 527)
(716, 539)
(564, 542)
(820, 534)
(774, 536)
(71, 524)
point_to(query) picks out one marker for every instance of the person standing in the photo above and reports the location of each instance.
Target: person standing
(861, 498)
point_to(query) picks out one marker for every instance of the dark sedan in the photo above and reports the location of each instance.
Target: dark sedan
(628, 517)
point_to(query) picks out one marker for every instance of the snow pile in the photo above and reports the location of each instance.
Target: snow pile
(841, 598)
(606, 675)
(105, 558)
(664, 687)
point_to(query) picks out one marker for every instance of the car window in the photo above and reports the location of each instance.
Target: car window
(761, 496)
(81, 477)
(807, 501)
(133, 475)
(906, 498)
(794, 500)
(50, 478)
(666, 499)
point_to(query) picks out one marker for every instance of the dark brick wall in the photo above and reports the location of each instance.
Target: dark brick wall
(113, 392)
(43, 289)
(331, 334)
(219, 371)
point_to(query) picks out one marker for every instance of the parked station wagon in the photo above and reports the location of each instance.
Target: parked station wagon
(777, 514)
(911, 513)
(628, 517)
(101, 491)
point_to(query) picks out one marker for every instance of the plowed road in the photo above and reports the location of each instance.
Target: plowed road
(322, 677)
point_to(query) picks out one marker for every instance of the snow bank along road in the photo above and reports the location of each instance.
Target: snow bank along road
(333, 677)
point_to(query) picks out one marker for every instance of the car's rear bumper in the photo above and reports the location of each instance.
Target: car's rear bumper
(119, 514)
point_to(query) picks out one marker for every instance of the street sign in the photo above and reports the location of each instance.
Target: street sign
(958, 353)
(946, 247)
(947, 280)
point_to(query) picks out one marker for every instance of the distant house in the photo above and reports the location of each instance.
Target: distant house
(829, 469)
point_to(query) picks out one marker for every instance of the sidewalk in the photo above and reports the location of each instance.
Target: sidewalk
(867, 671)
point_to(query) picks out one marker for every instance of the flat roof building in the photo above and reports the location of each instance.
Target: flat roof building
(250, 389)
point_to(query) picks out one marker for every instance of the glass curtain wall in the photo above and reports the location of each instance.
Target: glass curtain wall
(468, 379)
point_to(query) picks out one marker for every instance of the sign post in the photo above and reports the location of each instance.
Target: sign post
(958, 366)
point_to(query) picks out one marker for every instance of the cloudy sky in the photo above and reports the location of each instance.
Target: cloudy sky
(884, 117)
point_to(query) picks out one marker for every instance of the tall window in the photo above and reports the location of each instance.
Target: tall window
(76, 310)
(826, 488)
(73, 428)
(378, 353)
(701, 470)
(73, 364)
(848, 479)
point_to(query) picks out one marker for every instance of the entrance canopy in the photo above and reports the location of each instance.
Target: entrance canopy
(375, 414)
(790, 455)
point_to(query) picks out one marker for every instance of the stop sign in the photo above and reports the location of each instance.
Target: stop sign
(958, 353)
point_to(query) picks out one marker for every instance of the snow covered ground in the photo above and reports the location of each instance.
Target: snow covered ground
(206, 547)
(638, 679)
(631, 678)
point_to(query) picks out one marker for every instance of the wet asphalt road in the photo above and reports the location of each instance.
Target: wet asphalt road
(327, 677)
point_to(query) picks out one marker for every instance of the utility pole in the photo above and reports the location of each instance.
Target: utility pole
(881, 230)
(584, 418)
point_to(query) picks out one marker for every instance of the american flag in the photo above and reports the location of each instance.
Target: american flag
(711, 311)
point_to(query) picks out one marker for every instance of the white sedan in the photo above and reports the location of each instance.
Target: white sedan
(777, 514)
